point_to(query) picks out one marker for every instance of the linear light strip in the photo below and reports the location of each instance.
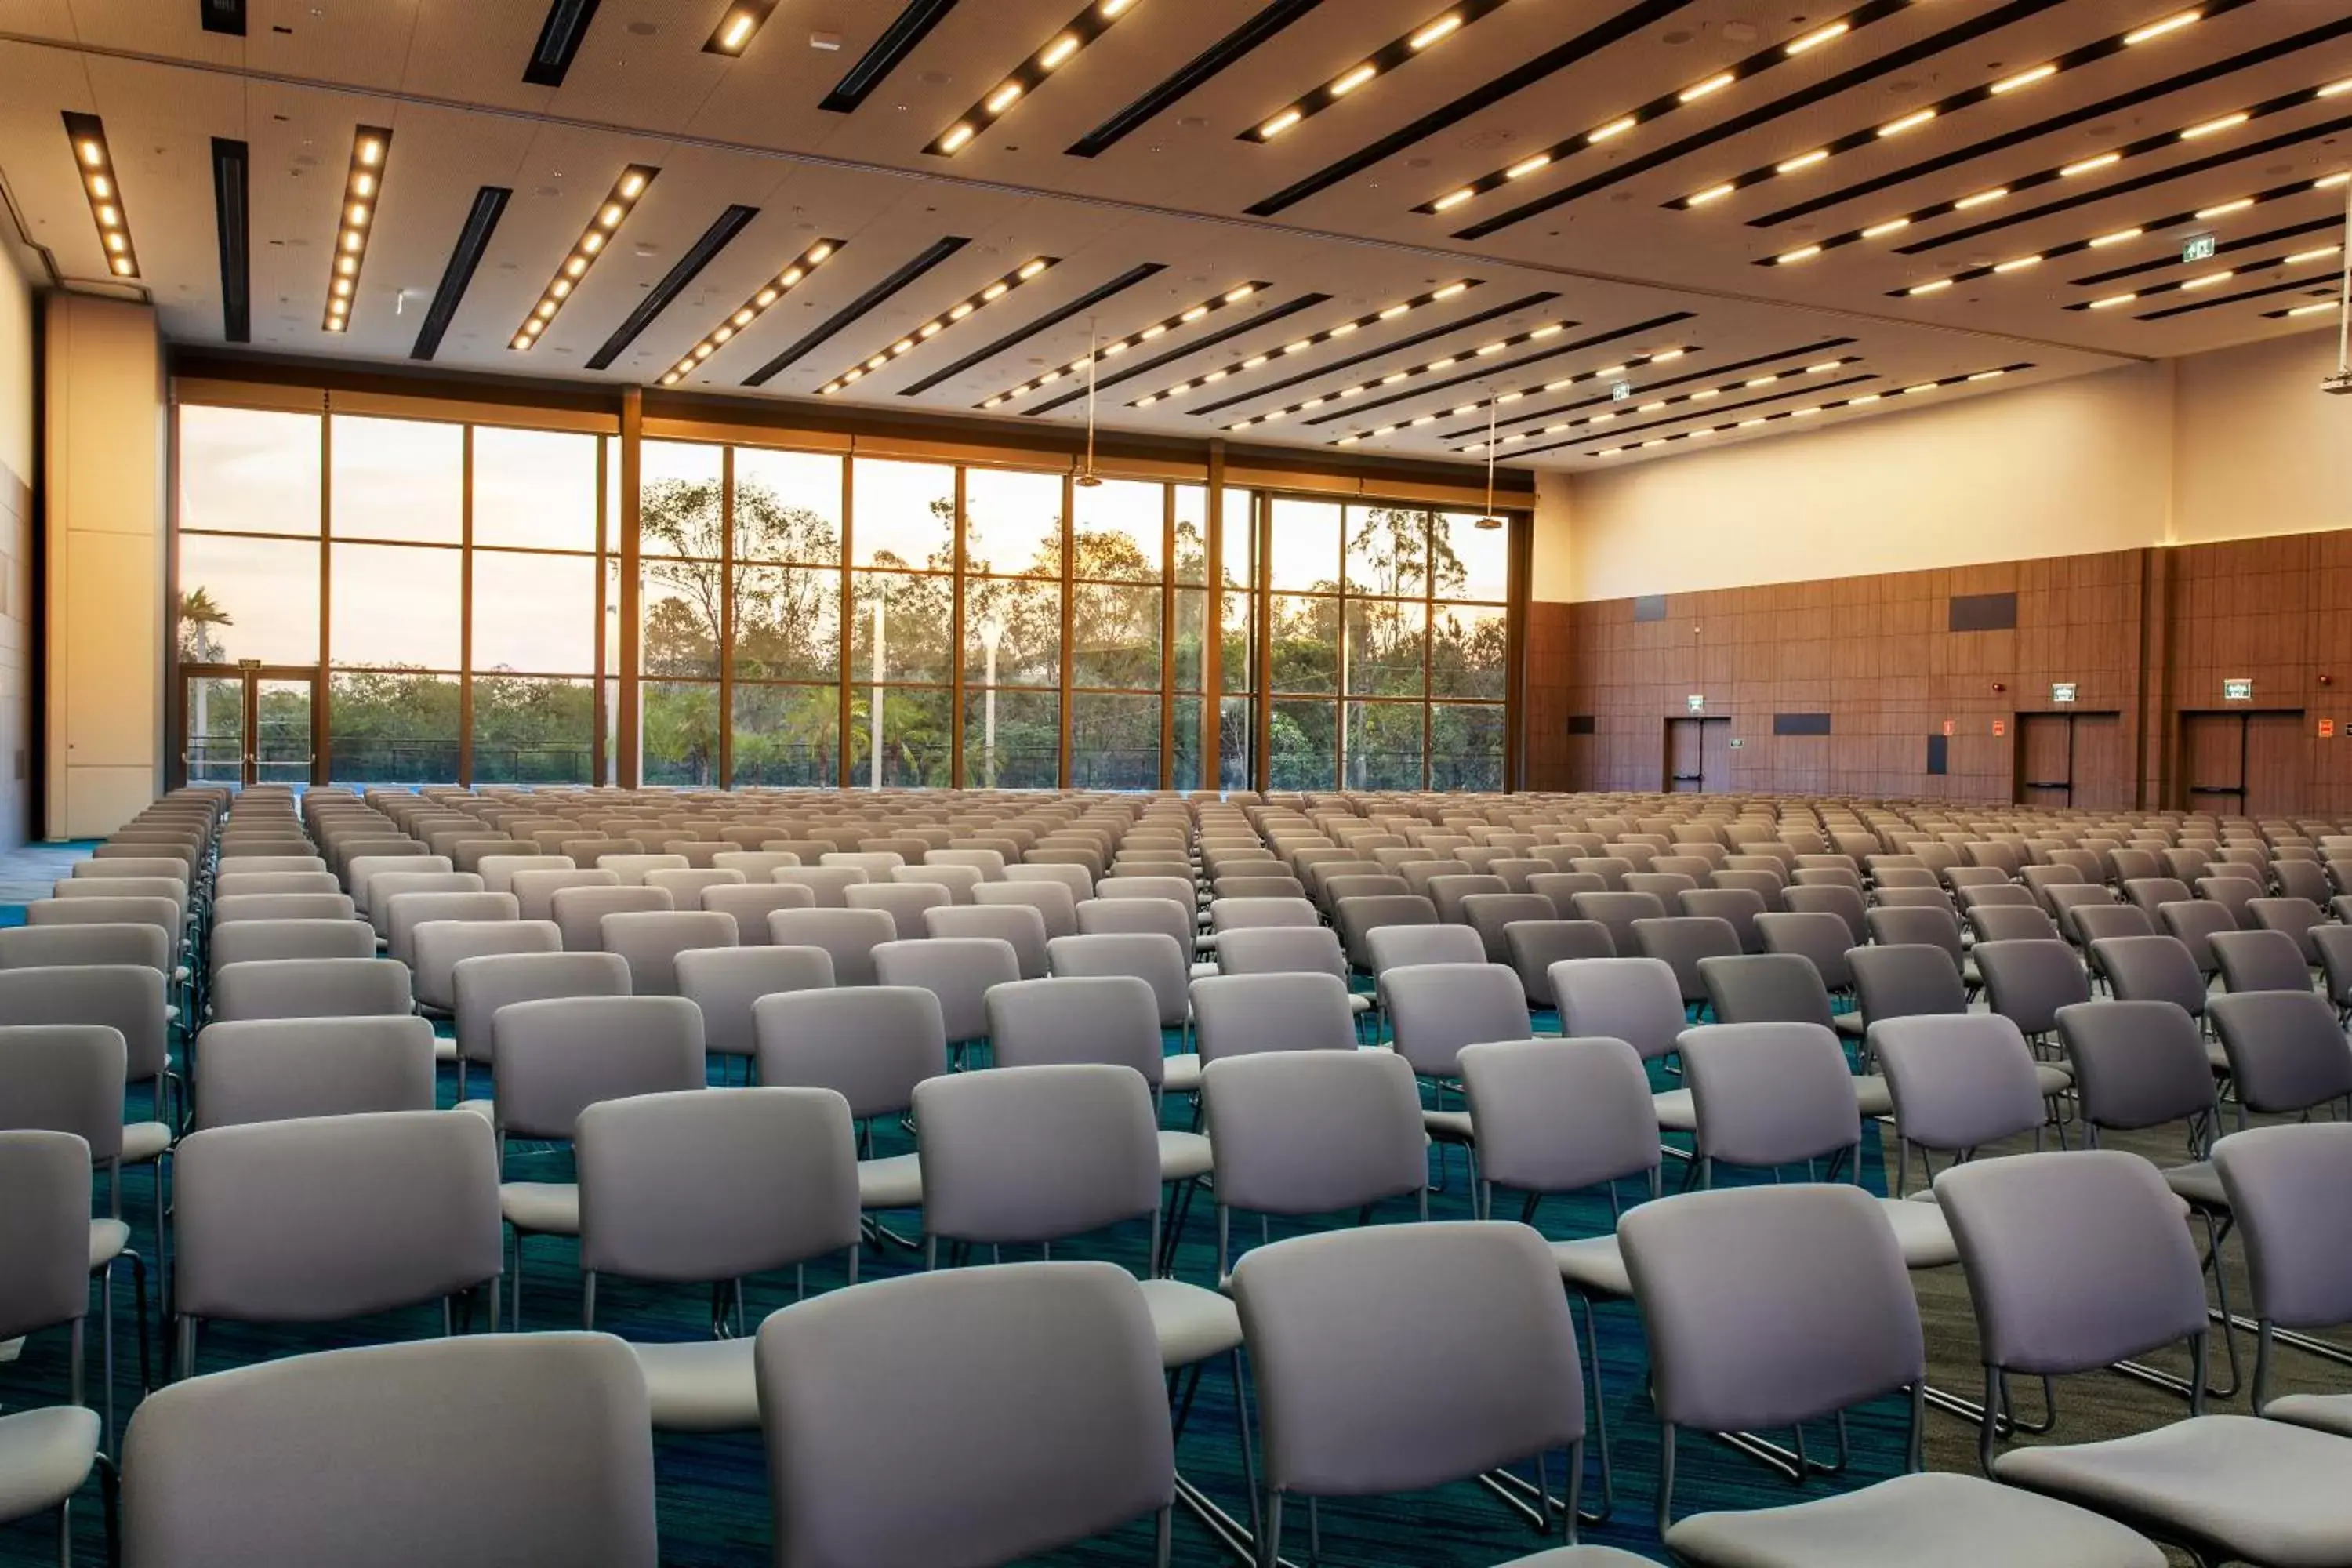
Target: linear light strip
(1697, 394)
(1988, 194)
(1264, 319)
(1347, 394)
(2317, 307)
(611, 214)
(2229, 246)
(1378, 63)
(1118, 346)
(1452, 291)
(1050, 56)
(1502, 309)
(737, 27)
(1811, 410)
(1035, 268)
(1485, 374)
(752, 309)
(2129, 232)
(1611, 129)
(1806, 352)
(2212, 280)
(1897, 125)
(1663, 356)
(94, 162)
(362, 187)
(2216, 302)
(1624, 437)
(1256, 32)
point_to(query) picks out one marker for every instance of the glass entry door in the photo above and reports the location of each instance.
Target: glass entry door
(249, 724)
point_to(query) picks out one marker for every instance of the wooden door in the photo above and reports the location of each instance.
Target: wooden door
(2213, 762)
(1714, 756)
(2101, 776)
(2045, 759)
(1686, 756)
(2275, 765)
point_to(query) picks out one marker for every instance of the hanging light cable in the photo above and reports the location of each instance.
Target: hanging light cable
(1088, 478)
(1490, 522)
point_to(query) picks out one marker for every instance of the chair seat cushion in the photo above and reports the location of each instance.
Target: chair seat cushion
(1676, 1113)
(2246, 1490)
(1921, 1521)
(45, 1457)
(1581, 1557)
(2320, 1412)
(1205, 970)
(1595, 1266)
(1850, 1025)
(2050, 1079)
(1358, 1003)
(1872, 1095)
(144, 1140)
(108, 1238)
(2199, 1185)
(543, 1209)
(701, 1385)
(1180, 1075)
(1447, 1126)
(445, 1047)
(893, 1182)
(1922, 1232)
(1184, 1156)
(1192, 1322)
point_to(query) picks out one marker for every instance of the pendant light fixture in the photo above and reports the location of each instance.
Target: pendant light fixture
(1088, 478)
(1490, 522)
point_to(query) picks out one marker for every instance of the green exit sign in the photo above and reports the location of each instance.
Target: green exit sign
(2199, 247)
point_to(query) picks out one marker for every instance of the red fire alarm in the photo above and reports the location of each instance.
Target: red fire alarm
(1950, 728)
(2326, 728)
(2000, 727)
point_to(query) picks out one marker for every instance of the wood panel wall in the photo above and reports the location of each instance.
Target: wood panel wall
(2148, 635)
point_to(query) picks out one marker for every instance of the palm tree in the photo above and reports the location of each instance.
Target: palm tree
(199, 614)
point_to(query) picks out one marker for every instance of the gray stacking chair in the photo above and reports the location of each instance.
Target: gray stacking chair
(828, 885)
(2029, 982)
(959, 971)
(242, 941)
(1153, 958)
(535, 890)
(1634, 1000)
(1680, 941)
(238, 884)
(2260, 960)
(1234, 914)
(403, 912)
(2012, 923)
(2151, 969)
(1112, 1020)
(1054, 901)
(2297, 917)
(725, 983)
(381, 888)
(1845, 902)
(709, 1187)
(2285, 1050)
(437, 947)
(1107, 917)
(323, 1218)
(651, 941)
(2152, 893)
(751, 904)
(1357, 917)
(2076, 1261)
(849, 936)
(871, 1045)
(904, 902)
(2196, 922)
(1312, 1132)
(1021, 925)
(1240, 1015)
(1774, 1306)
(2335, 945)
(1436, 1010)
(1740, 906)
(2090, 924)
(1823, 941)
(1508, 1391)
(45, 1247)
(1905, 980)
(1782, 988)
(1397, 947)
(278, 1069)
(1492, 915)
(313, 988)
(1618, 911)
(579, 911)
(1288, 949)
(480, 985)
(1028, 1394)
(480, 1452)
(1537, 945)
(1959, 1081)
(2285, 1186)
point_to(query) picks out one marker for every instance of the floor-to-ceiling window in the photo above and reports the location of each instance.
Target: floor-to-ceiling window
(811, 620)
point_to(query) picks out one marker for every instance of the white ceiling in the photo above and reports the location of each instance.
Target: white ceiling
(447, 77)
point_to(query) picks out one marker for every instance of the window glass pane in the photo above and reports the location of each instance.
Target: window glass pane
(1192, 534)
(1022, 622)
(394, 606)
(215, 730)
(534, 487)
(1114, 637)
(1236, 743)
(1386, 639)
(1240, 647)
(1466, 651)
(680, 720)
(679, 485)
(787, 736)
(787, 507)
(788, 624)
(1026, 728)
(531, 731)
(1480, 564)
(1012, 522)
(1384, 745)
(1304, 542)
(1388, 551)
(918, 744)
(911, 618)
(392, 727)
(1114, 741)
(904, 514)
(248, 599)
(1184, 767)
(1306, 643)
(1239, 538)
(1465, 750)
(1303, 749)
(680, 605)
(399, 479)
(535, 613)
(247, 470)
(1192, 612)
(1120, 526)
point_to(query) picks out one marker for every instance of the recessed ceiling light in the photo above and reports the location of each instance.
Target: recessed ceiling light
(2025, 78)
(1380, 61)
(751, 309)
(2172, 24)
(363, 182)
(94, 162)
(1118, 346)
(1910, 121)
(1056, 52)
(610, 215)
(737, 26)
(2215, 127)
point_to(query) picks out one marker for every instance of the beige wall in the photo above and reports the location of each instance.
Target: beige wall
(2234, 444)
(16, 368)
(16, 399)
(104, 434)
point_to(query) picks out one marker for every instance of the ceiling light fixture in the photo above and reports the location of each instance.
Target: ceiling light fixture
(737, 26)
(1489, 522)
(1380, 61)
(1662, 357)
(1706, 88)
(1036, 267)
(1083, 28)
(1910, 121)
(94, 162)
(1118, 346)
(2215, 127)
(2318, 310)
(2172, 24)
(1862, 401)
(2024, 79)
(2112, 301)
(752, 309)
(611, 214)
(1454, 291)
(2117, 238)
(1816, 39)
(2096, 160)
(363, 185)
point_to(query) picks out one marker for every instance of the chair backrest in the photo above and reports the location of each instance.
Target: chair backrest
(1770, 1306)
(1536, 945)
(1109, 1018)
(1766, 988)
(1769, 1094)
(2286, 1049)
(1492, 915)
(2285, 1185)
(250, 941)
(554, 1059)
(1680, 941)
(1021, 925)
(65, 1078)
(1637, 1000)
(2136, 1063)
(44, 1229)
(2151, 969)
(66, 946)
(1309, 1131)
(278, 1070)
(278, 907)
(1052, 900)
(313, 988)
(1958, 1080)
(1035, 1152)
(750, 904)
(958, 970)
(871, 1044)
(1151, 957)
(1359, 918)
(1906, 979)
(2028, 981)
(1281, 950)
(2154, 892)
(334, 1216)
(725, 982)
(1515, 1392)
(904, 902)
(1107, 917)
(1029, 1395)
(2012, 923)
(479, 987)
(400, 915)
(1077, 875)
(2093, 923)
(1148, 885)
(466, 1452)
(579, 911)
(1557, 1116)
(2335, 945)
(1821, 939)
(651, 941)
(2260, 960)
(1618, 911)
(1394, 947)
(1236, 914)
(1242, 1015)
(238, 884)
(2073, 1260)
(703, 1185)
(1436, 1010)
(849, 936)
